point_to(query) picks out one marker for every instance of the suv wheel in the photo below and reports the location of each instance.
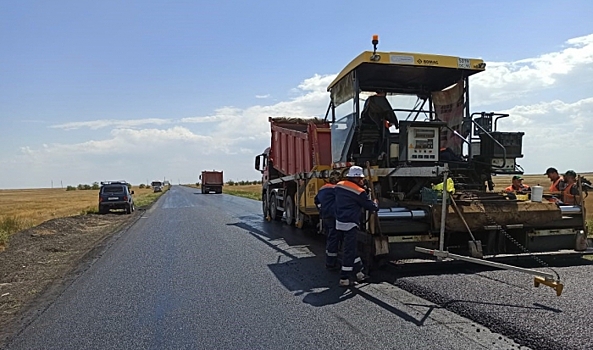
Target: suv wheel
(129, 209)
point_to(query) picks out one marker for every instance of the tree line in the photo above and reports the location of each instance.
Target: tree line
(242, 183)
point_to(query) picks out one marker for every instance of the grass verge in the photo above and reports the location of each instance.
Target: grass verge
(10, 225)
(148, 198)
(250, 193)
(23, 209)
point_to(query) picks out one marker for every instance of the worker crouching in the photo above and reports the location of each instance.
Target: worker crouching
(350, 199)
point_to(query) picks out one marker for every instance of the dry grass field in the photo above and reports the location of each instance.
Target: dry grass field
(21, 209)
(247, 191)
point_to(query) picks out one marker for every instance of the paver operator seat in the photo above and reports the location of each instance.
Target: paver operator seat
(373, 133)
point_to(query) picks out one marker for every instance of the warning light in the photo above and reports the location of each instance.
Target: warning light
(375, 41)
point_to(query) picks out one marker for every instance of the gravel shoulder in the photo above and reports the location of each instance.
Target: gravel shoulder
(40, 262)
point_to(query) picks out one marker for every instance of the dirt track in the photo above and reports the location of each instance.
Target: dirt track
(40, 261)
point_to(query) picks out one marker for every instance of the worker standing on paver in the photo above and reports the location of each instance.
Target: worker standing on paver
(325, 203)
(558, 183)
(571, 194)
(351, 198)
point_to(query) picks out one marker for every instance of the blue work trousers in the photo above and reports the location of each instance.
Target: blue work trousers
(332, 242)
(351, 262)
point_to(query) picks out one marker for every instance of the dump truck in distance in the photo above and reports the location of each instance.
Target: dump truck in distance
(293, 169)
(212, 181)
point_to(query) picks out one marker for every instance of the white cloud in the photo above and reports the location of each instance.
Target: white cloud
(134, 142)
(262, 96)
(556, 134)
(252, 122)
(104, 123)
(504, 81)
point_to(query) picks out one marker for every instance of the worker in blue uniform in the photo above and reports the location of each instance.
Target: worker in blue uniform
(350, 199)
(325, 202)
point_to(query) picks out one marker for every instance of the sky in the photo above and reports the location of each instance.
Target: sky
(146, 90)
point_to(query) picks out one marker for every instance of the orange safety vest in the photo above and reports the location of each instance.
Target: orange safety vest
(554, 185)
(567, 197)
(511, 188)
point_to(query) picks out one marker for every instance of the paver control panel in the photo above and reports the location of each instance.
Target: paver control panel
(419, 141)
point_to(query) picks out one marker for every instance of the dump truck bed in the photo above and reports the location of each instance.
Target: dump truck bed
(298, 145)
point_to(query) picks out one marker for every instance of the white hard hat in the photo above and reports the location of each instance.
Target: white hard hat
(355, 171)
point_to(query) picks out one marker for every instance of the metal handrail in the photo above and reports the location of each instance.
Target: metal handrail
(500, 116)
(504, 150)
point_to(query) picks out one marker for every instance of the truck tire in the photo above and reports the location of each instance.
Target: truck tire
(289, 210)
(275, 214)
(264, 205)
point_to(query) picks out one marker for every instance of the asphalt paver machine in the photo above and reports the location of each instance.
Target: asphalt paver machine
(431, 164)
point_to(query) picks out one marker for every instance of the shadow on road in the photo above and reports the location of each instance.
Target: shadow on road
(302, 271)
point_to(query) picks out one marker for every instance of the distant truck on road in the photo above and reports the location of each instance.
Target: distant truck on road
(157, 186)
(211, 181)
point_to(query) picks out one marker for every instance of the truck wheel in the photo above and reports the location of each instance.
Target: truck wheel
(264, 205)
(289, 209)
(275, 214)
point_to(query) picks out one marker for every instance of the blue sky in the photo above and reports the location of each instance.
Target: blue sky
(150, 89)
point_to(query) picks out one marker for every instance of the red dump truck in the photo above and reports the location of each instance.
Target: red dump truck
(293, 168)
(212, 181)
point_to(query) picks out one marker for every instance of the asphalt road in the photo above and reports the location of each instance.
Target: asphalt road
(507, 302)
(204, 272)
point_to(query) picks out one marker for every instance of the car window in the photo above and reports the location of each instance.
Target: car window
(113, 189)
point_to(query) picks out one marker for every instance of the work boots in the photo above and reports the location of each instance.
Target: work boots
(360, 277)
(345, 282)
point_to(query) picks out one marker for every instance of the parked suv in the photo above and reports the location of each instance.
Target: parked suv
(115, 195)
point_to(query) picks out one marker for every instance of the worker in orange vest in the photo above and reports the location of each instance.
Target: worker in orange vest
(570, 194)
(517, 186)
(351, 198)
(558, 183)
